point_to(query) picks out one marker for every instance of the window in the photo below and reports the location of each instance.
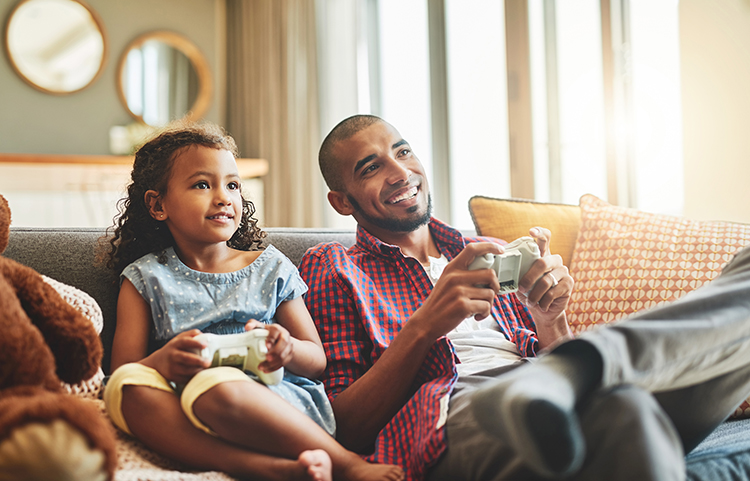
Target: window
(405, 73)
(567, 100)
(604, 102)
(478, 105)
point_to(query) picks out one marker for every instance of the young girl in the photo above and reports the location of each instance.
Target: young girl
(187, 249)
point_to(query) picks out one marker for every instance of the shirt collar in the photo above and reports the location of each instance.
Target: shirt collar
(449, 241)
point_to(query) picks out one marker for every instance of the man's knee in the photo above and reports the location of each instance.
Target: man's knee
(630, 403)
(629, 436)
(740, 262)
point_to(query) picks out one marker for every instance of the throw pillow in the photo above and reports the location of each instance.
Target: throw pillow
(509, 219)
(626, 260)
(87, 306)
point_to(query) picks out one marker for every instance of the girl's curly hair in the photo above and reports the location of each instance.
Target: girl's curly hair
(136, 233)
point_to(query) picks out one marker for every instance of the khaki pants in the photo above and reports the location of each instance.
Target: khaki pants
(671, 375)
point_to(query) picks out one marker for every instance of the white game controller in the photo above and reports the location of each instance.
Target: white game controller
(512, 265)
(244, 351)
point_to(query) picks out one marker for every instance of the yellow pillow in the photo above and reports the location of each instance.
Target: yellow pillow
(509, 219)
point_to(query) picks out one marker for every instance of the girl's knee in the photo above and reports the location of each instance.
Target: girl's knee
(131, 387)
(223, 404)
(218, 390)
(142, 405)
(143, 396)
(227, 397)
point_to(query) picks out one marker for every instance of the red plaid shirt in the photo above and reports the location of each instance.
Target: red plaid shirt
(360, 299)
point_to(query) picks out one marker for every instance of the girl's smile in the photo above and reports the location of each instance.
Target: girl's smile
(221, 217)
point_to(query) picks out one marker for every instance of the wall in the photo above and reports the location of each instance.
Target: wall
(35, 122)
(715, 58)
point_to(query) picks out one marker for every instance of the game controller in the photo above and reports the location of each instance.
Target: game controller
(512, 265)
(244, 351)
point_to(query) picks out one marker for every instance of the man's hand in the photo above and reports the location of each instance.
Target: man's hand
(460, 293)
(545, 290)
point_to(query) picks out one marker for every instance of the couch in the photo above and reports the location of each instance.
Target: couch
(68, 256)
(585, 235)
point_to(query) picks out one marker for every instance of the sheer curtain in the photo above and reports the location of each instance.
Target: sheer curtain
(272, 103)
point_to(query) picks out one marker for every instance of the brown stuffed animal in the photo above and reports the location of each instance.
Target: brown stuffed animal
(45, 433)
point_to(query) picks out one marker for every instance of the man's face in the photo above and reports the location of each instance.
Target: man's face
(385, 187)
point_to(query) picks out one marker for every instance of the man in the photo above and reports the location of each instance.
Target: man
(426, 362)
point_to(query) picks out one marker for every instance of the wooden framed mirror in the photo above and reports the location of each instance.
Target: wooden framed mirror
(56, 46)
(163, 76)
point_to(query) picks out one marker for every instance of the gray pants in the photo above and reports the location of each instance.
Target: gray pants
(671, 375)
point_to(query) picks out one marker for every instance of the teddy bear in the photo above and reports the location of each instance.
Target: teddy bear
(45, 432)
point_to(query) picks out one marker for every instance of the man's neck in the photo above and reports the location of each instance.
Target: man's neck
(418, 244)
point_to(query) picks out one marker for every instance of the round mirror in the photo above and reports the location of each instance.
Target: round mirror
(56, 46)
(162, 77)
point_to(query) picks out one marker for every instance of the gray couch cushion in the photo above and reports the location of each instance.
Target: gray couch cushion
(69, 256)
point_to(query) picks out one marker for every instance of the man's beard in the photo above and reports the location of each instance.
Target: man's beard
(397, 225)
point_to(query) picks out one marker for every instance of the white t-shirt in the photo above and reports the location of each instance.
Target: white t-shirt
(479, 344)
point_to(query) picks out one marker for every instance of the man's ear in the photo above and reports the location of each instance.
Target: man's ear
(340, 202)
(153, 202)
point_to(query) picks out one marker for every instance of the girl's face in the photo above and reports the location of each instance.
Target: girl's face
(203, 204)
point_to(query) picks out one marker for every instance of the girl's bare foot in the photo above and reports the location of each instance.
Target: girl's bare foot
(361, 470)
(317, 464)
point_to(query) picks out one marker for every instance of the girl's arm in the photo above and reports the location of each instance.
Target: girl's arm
(177, 361)
(132, 328)
(296, 347)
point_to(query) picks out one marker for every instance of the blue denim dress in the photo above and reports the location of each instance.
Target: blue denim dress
(182, 299)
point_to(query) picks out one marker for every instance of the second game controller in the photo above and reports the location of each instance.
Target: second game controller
(244, 351)
(512, 265)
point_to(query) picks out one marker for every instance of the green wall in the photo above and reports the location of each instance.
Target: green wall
(35, 122)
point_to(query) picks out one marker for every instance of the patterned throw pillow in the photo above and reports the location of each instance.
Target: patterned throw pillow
(626, 260)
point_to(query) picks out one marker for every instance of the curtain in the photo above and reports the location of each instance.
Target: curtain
(272, 103)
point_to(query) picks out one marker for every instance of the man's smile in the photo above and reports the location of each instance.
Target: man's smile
(404, 194)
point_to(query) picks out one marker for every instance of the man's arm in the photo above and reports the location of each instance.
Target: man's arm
(366, 405)
(364, 408)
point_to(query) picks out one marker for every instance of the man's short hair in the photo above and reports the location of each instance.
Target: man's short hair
(342, 131)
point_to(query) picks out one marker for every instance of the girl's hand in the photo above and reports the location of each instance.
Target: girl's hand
(179, 359)
(279, 343)
(293, 341)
